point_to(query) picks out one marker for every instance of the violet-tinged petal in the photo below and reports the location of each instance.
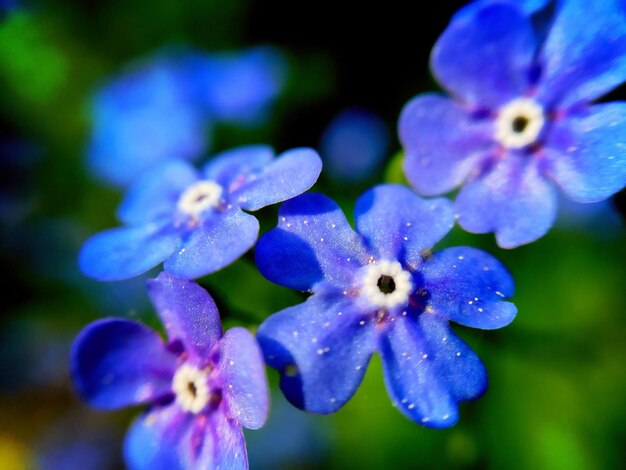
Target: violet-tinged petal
(442, 143)
(156, 193)
(398, 225)
(217, 443)
(428, 370)
(321, 349)
(291, 174)
(220, 240)
(484, 57)
(243, 374)
(157, 440)
(233, 167)
(513, 200)
(117, 363)
(587, 153)
(188, 312)
(313, 241)
(581, 59)
(469, 286)
(122, 253)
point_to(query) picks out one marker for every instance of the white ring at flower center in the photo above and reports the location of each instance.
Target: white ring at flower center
(401, 279)
(191, 389)
(525, 113)
(199, 197)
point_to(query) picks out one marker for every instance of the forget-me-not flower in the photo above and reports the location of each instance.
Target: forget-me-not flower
(379, 289)
(521, 119)
(200, 386)
(164, 107)
(193, 220)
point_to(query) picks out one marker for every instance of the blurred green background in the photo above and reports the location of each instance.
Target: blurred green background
(557, 375)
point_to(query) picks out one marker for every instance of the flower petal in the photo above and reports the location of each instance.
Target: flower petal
(483, 57)
(233, 167)
(584, 61)
(168, 438)
(122, 253)
(428, 370)
(220, 442)
(513, 200)
(156, 193)
(321, 349)
(468, 286)
(242, 370)
(291, 174)
(442, 143)
(188, 312)
(216, 243)
(398, 225)
(313, 241)
(587, 154)
(156, 440)
(117, 363)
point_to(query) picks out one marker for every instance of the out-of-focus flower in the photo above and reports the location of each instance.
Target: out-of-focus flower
(164, 108)
(239, 87)
(7, 6)
(195, 220)
(379, 289)
(521, 119)
(201, 386)
(353, 146)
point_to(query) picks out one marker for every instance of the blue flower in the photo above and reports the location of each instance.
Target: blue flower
(379, 289)
(164, 108)
(201, 386)
(145, 117)
(194, 220)
(521, 119)
(353, 146)
(240, 87)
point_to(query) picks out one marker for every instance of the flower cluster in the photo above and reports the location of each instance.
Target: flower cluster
(521, 120)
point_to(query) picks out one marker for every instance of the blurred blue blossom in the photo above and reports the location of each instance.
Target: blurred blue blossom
(163, 108)
(239, 87)
(379, 289)
(78, 441)
(195, 220)
(8, 5)
(521, 119)
(353, 146)
(201, 386)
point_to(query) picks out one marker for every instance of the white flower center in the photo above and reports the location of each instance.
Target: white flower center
(191, 388)
(199, 197)
(386, 284)
(519, 123)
